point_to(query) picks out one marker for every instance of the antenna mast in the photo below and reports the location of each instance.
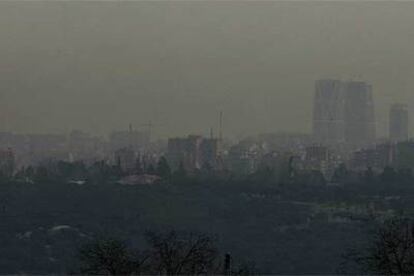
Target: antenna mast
(221, 126)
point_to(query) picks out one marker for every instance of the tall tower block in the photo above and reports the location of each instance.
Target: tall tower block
(360, 126)
(328, 114)
(398, 123)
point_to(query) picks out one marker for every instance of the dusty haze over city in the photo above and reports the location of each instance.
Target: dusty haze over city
(98, 66)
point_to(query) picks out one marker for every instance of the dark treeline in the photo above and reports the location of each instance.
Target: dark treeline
(283, 222)
(165, 253)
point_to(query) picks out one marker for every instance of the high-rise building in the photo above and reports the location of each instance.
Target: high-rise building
(398, 123)
(209, 153)
(328, 115)
(193, 152)
(343, 112)
(359, 114)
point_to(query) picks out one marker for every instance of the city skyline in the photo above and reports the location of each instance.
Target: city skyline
(337, 136)
(99, 67)
(206, 137)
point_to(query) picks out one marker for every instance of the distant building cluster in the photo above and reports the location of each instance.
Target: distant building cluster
(344, 122)
(193, 152)
(343, 134)
(41, 149)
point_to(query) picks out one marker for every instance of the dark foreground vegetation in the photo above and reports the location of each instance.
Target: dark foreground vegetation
(168, 253)
(50, 222)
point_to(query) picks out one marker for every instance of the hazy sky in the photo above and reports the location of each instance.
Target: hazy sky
(98, 66)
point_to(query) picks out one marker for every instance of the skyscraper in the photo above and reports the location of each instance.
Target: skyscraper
(359, 114)
(328, 115)
(343, 112)
(398, 123)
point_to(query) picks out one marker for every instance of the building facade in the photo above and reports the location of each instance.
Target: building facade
(193, 152)
(398, 123)
(359, 114)
(343, 113)
(328, 116)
